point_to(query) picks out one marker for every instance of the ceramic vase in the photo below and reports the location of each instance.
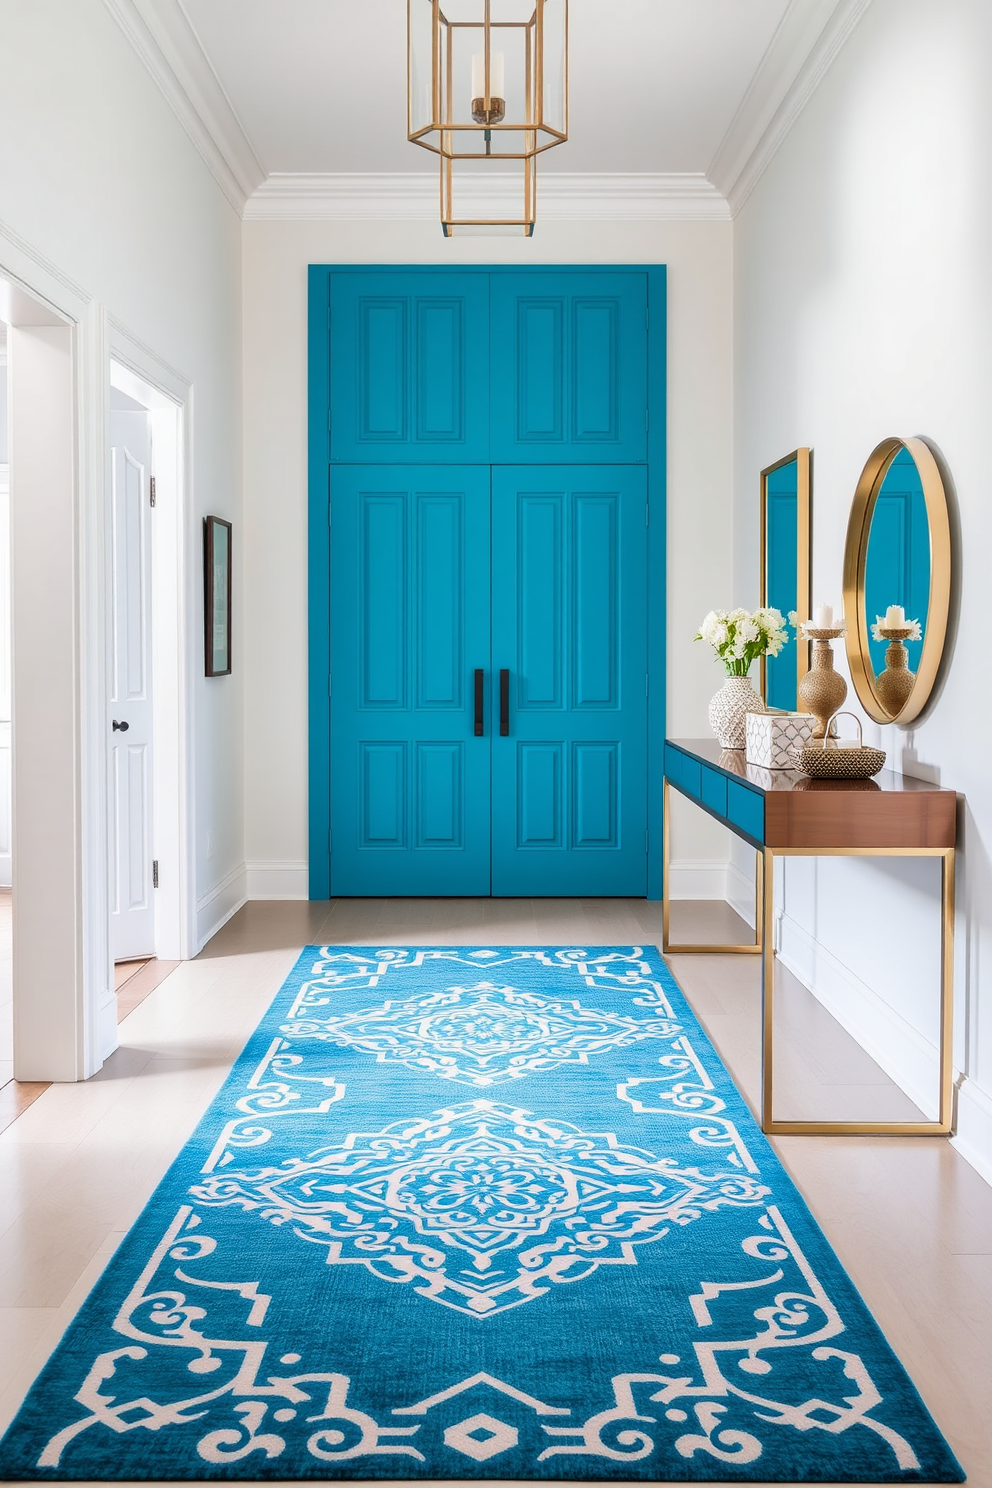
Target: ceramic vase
(729, 709)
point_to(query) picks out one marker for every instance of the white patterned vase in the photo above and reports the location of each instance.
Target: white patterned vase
(729, 709)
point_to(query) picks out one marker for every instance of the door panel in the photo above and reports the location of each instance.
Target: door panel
(132, 920)
(569, 358)
(409, 372)
(569, 622)
(410, 787)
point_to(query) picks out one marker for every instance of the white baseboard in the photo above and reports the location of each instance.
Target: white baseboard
(278, 880)
(697, 878)
(217, 907)
(905, 1054)
(6, 870)
(740, 893)
(974, 1127)
(107, 1030)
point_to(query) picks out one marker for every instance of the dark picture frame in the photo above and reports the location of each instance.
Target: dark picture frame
(217, 596)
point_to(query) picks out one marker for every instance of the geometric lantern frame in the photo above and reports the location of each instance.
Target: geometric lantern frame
(487, 81)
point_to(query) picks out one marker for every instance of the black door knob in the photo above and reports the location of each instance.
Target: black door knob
(122, 726)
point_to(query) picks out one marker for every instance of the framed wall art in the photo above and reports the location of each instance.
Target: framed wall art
(217, 596)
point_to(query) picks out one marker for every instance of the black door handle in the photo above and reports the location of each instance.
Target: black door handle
(479, 704)
(504, 702)
(122, 726)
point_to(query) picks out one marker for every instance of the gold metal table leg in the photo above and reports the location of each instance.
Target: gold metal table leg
(943, 1126)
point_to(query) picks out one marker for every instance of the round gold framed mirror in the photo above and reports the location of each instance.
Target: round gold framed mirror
(897, 580)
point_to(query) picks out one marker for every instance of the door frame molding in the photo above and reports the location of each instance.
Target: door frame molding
(65, 1014)
(318, 558)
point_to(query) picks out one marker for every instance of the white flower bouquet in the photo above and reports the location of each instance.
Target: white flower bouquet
(739, 637)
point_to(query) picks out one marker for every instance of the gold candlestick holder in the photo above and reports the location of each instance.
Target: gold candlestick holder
(895, 683)
(822, 690)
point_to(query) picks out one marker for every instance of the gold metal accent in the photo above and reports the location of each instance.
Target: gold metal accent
(804, 530)
(765, 947)
(493, 113)
(450, 220)
(855, 562)
(943, 1126)
(668, 949)
(822, 690)
(896, 682)
(517, 126)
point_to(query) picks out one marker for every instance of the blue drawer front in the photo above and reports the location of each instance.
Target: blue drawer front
(691, 770)
(715, 791)
(746, 809)
(673, 765)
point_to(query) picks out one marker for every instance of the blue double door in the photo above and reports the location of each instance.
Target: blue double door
(487, 603)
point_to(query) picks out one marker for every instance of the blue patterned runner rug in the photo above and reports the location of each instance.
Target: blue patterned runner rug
(477, 1213)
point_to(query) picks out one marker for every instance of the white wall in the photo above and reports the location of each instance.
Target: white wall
(5, 855)
(862, 303)
(99, 179)
(3, 395)
(698, 255)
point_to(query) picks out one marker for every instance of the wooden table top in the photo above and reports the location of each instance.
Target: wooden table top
(891, 810)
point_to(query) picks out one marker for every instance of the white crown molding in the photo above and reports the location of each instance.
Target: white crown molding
(412, 196)
(162, 36)
(809, 37)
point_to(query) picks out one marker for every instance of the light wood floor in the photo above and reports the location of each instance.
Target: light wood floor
(910, 1220)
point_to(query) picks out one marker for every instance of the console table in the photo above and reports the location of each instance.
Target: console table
(782, 813)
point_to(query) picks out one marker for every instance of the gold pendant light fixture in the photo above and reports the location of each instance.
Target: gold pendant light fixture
(487, 82)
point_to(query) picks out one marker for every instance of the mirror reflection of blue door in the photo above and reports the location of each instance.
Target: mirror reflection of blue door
(479, 480)
(781, 578)
(897, 565)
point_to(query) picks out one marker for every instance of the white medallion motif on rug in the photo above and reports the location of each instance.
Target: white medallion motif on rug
(482, 1035)
(482, 1206)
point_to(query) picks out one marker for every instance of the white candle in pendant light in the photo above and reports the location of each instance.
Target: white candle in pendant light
(495, 75)
(823, 617)
(895, 618)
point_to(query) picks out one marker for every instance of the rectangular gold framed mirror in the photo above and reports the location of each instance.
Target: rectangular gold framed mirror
(786, 498)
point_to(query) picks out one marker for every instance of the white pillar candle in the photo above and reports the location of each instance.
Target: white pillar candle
(895, 617)
(495, 75)
(823, 618)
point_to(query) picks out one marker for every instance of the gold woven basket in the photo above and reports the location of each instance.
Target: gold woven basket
(824, 760)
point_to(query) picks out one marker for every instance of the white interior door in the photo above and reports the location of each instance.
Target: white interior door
(132, 922)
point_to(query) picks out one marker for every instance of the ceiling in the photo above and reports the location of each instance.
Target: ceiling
(299, 106)
(320, 85)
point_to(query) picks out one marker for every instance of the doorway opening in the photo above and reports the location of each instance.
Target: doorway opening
(59, 348)
(59, 1013)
